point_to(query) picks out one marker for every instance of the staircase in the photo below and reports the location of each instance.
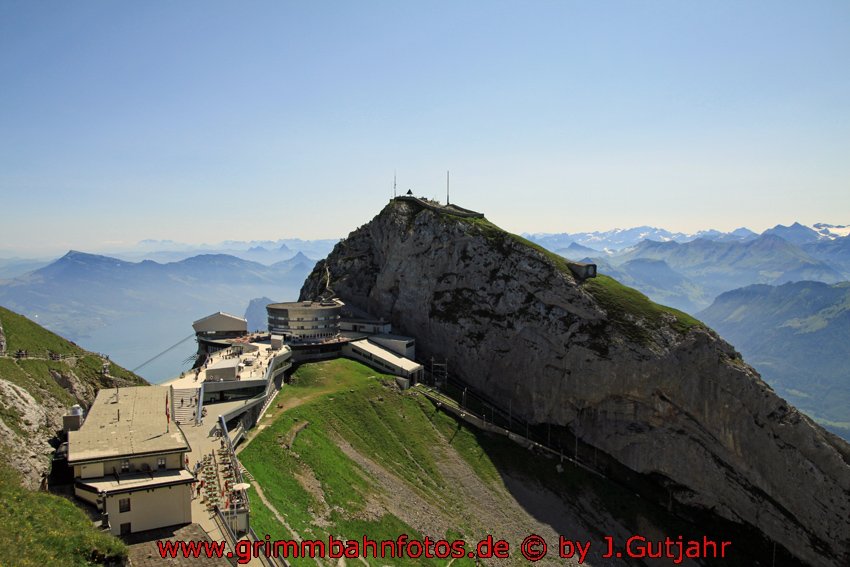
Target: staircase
(185, 404)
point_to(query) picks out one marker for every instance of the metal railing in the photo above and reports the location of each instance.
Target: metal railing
(229, 536)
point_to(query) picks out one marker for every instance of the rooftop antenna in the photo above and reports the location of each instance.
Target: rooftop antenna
(447, 187)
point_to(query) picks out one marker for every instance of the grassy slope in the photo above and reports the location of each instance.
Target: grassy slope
(348, 405)
(34, 375)
(42, 529)
(22, 333)
(403, 432)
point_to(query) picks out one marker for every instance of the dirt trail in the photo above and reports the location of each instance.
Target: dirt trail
(293, 433)
(274, 511)
(510, 508)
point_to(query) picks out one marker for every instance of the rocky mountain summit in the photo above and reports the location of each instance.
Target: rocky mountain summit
(648, 386)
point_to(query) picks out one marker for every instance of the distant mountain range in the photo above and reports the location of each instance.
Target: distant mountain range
(618, 238)
(689, 271)
(798, 336)
(137, 305)
(134, 310)
(265, 252)
(776, 296)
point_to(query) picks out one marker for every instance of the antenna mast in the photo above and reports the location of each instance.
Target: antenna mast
(394, 193)
(447, 187)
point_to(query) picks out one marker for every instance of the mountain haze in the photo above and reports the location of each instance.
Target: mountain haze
(720, 266)
(134, 310)
(798, 336)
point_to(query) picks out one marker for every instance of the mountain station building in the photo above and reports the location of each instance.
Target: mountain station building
(128, 459)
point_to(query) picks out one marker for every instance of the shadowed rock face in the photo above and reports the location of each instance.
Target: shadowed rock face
(658, 392)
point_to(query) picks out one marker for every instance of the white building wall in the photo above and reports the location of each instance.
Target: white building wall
(89, 470)
(152, 508)
(137, 464)
(383, 364)
(397, 345)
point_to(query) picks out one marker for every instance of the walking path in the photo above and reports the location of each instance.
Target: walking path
(203, 437)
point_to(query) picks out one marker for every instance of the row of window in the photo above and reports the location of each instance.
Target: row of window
(125, 464)
(279, 319)
(287, 326)
(378, 361)
(288, 329)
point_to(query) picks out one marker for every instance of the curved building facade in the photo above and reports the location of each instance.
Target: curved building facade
(308, 320)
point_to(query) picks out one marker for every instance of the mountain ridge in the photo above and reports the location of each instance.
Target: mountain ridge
(620, 238)
(646, 385)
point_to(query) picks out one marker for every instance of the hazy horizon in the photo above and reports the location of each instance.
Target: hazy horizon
(208, 121)
(135, 247)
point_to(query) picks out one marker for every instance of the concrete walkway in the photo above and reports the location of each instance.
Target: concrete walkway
(201, 437)
(254, 371)
(203, 441)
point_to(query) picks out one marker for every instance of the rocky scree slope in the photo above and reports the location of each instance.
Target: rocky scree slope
(648, 385)
(36, 392)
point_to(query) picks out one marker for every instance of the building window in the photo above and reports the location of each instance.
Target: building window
(125, 465)
(125, 529)
(124, 505)
(160, 462)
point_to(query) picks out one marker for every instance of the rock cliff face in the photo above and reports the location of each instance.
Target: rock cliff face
(649, 386)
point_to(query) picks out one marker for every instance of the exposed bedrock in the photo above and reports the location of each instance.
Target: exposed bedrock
(651, 387)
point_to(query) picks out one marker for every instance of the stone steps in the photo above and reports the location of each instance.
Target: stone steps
(183, 412)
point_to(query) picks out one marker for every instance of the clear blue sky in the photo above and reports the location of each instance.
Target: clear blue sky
(205, 121)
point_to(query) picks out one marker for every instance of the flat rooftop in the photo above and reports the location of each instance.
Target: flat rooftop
(139, 481)
(392, 337)
(387, 355)
(226, 363)
(306, 304)
(123, 422)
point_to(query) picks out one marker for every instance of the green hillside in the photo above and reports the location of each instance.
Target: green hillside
(345, 453)
(42, 529)
(24, 334)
